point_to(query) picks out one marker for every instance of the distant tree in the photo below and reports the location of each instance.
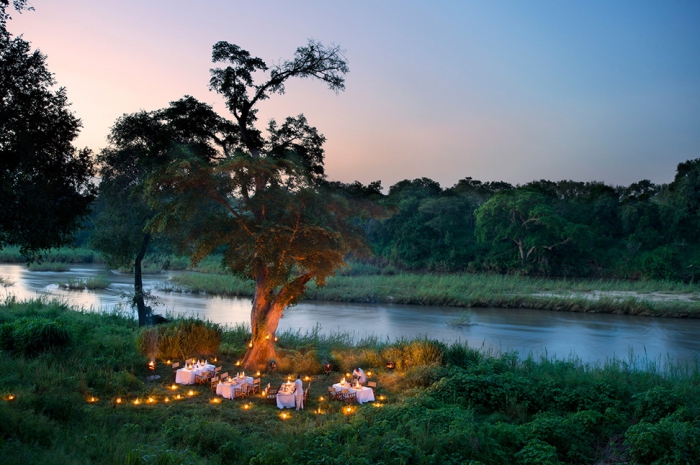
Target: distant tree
(140, 143)
(684, 201)
(45, 183)
(527, 220)
(266, 206)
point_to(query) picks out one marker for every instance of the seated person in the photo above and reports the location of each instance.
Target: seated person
(360, 375)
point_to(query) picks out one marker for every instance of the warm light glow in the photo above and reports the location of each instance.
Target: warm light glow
(284, 415)
(137, 402)
(151, 400)
(216, 359)
(191, 393)
(321, 399)
(168, 362)
(250, 344)
(276, 339)
(92, 399)
(348, 375)
(347, 410)
(173, 387)
(215, 400)
(267, 337)
(119, 400)
(369, 374)
(306, 378)
(318, 412)
(11, 397)
(246, 406)
(382, 397)
(166, 400)
(178, 397)
(377, 404)
(257, 373)
(238, 363)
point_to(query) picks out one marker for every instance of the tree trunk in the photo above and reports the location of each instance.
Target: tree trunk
(144, 312)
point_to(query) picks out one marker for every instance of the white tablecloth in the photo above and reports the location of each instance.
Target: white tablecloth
(286, 399)
(225, 389)
(186, 376)
(364, 394)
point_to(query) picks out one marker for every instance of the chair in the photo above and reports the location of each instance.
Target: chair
(217, 370)
(175, 367)
(351, 397)
(189, 361)
(332, 393)
(306, 394)
(246, 389)
(256, 386)
(343, 394)
(201, 378)
(271, 396)
(214, 382)
(224, 375)
(240, 393)
(373, 385)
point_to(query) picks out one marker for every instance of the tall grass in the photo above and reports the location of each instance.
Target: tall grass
(11, 254)
(49, 266)
(92, 283)
(480, 290)
(444, 404)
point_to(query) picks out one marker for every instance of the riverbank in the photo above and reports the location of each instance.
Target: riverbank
(647, 298)
(84, 398)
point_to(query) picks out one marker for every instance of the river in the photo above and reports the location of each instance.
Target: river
(589, 337)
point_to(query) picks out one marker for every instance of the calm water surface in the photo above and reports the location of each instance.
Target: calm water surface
(591, 337)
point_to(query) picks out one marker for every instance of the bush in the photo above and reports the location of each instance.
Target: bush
(668, 441)
(181, 339)
(32, 336)
(415, 353)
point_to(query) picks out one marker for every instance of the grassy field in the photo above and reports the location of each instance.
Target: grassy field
(79, 395)
(651, 298)
(64, 255)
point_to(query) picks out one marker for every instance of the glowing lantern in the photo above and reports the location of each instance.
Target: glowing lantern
(190, 393)
(152, 365)
(173, 387)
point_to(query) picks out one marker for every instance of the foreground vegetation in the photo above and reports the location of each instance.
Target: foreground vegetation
(675, 299)
(443, 404)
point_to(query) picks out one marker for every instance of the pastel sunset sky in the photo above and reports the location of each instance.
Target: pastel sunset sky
(495, 90)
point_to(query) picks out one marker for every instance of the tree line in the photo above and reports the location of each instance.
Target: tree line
(564, 228)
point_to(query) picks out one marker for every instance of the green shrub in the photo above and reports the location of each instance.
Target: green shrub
(180, 339)
(537, 452)
(655, 404)
(668, 441)
(32, 336)
(461, 355)
(205, 437)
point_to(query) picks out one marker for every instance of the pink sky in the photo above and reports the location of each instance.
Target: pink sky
(495, 92)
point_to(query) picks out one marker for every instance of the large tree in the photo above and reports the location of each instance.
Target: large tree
(140, 143)
(264, 205)
(45, 183)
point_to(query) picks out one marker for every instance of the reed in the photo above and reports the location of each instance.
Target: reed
(648, 298)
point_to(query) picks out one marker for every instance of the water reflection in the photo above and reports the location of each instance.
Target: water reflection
(592, 337)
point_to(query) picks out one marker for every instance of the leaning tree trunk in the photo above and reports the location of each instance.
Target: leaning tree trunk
(268, 308)
(144, 312)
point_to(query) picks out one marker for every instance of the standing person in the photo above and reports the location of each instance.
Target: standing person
(299, 392)
(360, 375)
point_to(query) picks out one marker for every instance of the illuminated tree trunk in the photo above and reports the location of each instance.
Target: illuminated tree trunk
(268, 308)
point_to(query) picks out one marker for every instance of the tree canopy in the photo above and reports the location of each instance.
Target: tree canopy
(264, 202)
(45, 183)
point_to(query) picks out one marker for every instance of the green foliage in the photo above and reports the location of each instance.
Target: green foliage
(179, 340)
(34, 335)
(669, 440)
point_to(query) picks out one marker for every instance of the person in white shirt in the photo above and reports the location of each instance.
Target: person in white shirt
(299, 393)
(360, 375)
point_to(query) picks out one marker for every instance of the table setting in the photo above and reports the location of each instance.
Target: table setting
(186, 374)
(228, 386)
(285, 396)
(362, 393)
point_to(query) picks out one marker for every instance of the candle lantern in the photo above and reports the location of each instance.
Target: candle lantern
(327, 368)
(272, 365)
(152, 365)
(390, 365)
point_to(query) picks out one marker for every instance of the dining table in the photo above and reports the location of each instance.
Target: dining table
(362, 393)
(226, 388)
(186, 374)
(285, 396)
